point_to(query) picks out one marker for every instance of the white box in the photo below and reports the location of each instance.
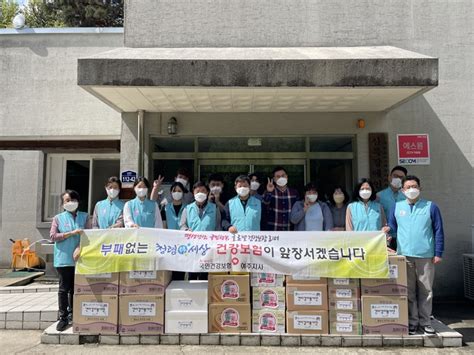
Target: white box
(186, 296)
(190, 322)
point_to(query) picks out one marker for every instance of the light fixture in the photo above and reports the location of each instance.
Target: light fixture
(172, 126)
(360, 123)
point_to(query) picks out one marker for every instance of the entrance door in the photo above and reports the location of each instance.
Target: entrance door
(230, 169)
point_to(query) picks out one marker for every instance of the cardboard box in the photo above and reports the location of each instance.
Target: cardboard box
(268, 297)
(343, 282)
(95, 314)
(302, 280)
(344, 316)
(229, 288)
(186, 322)
(141, 314)
(307, 322)
(396, 285)
(187, 296)
(268, 321)
(266, 279)
(345, 328)
(385, 315)
(230, 318)
(306, 297)
(98, 284)
(144, 282)
(349, 304)
(343, 292)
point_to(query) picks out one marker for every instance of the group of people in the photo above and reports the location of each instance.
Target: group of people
(413, 225)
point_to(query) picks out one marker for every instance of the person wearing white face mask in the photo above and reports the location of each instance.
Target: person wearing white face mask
(108, 213)
(182, 176)
(243, 212)
(174, 210)
(339, 199)
(392, 194)
(279, 200)
(311, 214)
(255, 186)
(216, 188)
(141, 211)
(202, 214)
(365, 214)
(65, 232)
(420, 238)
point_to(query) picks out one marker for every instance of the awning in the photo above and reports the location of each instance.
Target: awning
(303, 79)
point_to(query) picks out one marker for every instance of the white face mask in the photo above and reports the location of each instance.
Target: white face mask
(365, 194)
(243, 191)
(200, 197)
(282, 181)
(412, 193)
(141, 192)
(112, 193)
(312, 198)
(396, 183)
(254, 185)
(177, 195)
(71, 206)
(184, 182)
(338, 198)
(216, 189)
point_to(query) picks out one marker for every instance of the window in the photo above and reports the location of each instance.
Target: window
(84, 173)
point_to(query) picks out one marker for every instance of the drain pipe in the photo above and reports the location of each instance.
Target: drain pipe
(141, 117)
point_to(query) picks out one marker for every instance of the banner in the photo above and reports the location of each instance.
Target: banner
(323, 254)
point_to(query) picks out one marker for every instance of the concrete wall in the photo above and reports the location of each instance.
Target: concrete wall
(39, 93)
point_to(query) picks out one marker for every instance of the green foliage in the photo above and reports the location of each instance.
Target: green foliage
(8, 10)
(39, 13)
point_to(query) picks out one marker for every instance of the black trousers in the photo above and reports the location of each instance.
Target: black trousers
(66, 290)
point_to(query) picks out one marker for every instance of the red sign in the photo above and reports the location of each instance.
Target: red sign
(413, 149)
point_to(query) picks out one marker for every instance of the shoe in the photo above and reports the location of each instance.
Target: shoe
(412, 330)
(427, 329)
(62, 325)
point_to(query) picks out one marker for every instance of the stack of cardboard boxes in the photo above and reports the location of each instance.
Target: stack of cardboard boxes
(96, 303)
(384, 301)
(307, 305)
(229, 303)
(141, 301)
(268, 303)
(186, 307)
(344, 306)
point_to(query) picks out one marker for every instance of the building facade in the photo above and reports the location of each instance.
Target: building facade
(320, 87)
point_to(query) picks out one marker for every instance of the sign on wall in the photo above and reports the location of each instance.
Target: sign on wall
(413, 149)
(128, 177)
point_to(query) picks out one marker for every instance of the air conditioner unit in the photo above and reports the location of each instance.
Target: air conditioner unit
(468, 266)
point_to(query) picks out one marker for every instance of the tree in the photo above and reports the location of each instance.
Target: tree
(40, 13)
(91, 13)
(8, 10)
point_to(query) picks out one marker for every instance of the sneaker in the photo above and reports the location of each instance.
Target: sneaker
(62, 325)
(412, 330)
(427, 329)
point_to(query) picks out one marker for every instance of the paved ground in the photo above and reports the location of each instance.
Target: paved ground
(459, 316)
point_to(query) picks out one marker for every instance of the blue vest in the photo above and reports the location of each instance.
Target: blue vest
(108, 212)
(415, 231)
(205, 223)
(248, 219)
(172, 220)
(64, 249)
(388, 199)
(143, 212)
(366, 220)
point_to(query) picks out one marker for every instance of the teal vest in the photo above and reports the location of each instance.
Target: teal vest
(143, 213)
(172, 220)
(64, 249)
(205, 223)
(415, 232)
(248, 219)
(366, 220)
(388, 199)
(108, 212)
